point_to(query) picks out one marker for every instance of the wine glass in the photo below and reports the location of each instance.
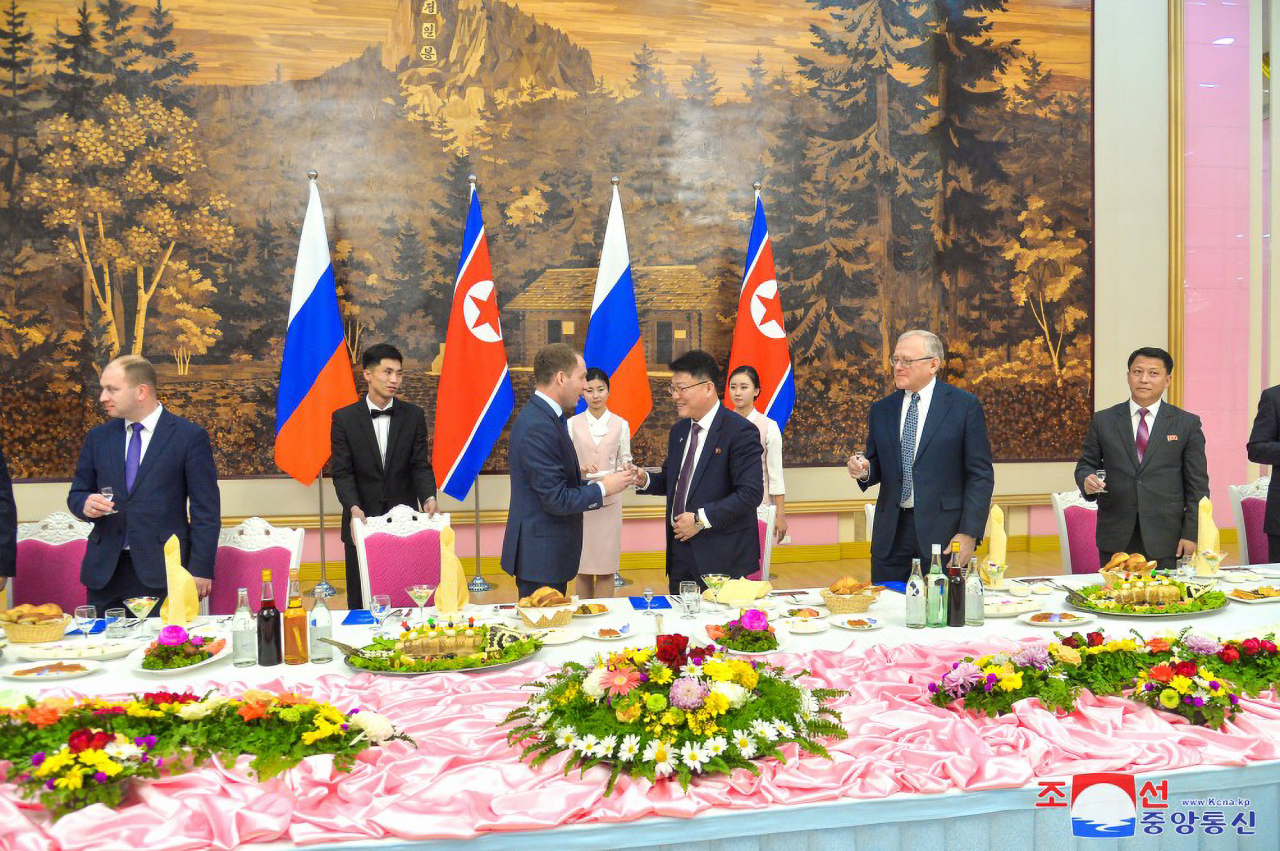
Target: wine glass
(690, 594)
(141, 607)
(420, 594)
(715, 581)
(110, 494)
(380, 607)
(648, 599)
(1102, 477)
(85, 617)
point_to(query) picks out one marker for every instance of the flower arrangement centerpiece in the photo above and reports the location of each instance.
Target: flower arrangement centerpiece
(671, 710)
(1109, 665)
(69, 753)
(990, 685)
(1187, 689)
(174, 647)
(750, 632)
(1251, 664)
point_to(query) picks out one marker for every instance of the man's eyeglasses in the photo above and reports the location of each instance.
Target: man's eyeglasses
(677, 389)
(897, 362)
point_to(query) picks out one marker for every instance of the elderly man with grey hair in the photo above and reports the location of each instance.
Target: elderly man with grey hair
(927, 448)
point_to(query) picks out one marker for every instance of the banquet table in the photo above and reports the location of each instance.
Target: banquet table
(910, 775)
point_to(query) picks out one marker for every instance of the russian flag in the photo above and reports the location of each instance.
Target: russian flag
(759, 336)
(475, 398)
(315, 374)
(613, 332)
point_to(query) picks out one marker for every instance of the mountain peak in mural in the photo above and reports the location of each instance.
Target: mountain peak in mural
(484, 51)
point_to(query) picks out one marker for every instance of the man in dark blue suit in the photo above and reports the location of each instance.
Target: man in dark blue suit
(712, 478)
(155, 464)
(927, 448)
(8, 526)
(542, 543)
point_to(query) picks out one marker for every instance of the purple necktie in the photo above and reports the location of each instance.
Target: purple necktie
(686, 473)
(133, 457)
(1143, 435)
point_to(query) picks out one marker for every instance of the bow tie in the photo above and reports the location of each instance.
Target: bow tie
(374, 413)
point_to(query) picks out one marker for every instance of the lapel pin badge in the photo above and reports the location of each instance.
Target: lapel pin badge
(717, 450)
(1171, 437)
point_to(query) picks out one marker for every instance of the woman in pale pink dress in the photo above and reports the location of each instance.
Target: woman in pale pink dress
(744, 387)
(603, 441)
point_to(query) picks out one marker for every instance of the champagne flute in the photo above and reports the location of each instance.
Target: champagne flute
(380, 607)
(141, 607)
(420, 594)
(715, 581)
(85, 617)
(648, 599)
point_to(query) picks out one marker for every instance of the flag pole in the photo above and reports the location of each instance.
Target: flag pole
(322, 588)
(478, 584)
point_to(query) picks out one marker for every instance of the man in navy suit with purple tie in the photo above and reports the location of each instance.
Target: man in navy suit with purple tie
(156, 464)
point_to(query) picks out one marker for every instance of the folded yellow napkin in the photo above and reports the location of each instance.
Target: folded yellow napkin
(1207, 533)
(452, 594)
(740, 592)
(182, 605)
(997, 540)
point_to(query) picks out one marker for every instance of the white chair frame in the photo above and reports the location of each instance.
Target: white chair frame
(769, 514)
(1061, 502)
(254, 535)
(401, 521)
(1257, 489)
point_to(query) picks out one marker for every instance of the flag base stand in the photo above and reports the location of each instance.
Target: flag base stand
(619, 582)
(478, 584)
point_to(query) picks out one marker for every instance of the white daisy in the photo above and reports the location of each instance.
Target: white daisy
(542, 718)
(607, 746)
(691, 670)
(716, 745)
(694, 754)
(586, 744)
(662, 769)
(784, 729)
(808, 703)
(764, 730)
(629, 748)
(744, 744)
(565, 737)
(656, 751)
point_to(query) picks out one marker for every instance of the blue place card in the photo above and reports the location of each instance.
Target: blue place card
(900, 587)
(659, 602)
(358, 617)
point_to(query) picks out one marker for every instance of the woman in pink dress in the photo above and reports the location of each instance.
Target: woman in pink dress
(603, 441)
(744, 387)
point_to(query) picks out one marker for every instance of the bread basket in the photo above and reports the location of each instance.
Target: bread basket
(844, 604)
(34, 633)
(538, 618)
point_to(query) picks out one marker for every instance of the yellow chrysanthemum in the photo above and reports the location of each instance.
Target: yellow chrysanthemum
(322, 731)
(70, 780)
(720, 672)
(1009, 682)
(659, 675)
(993, 669)
(1169, 698)
(716, 704)
(55, 763)
(1180, 684)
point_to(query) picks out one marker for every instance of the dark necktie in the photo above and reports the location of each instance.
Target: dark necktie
(1144, 436)
(374, 413)
(909, 447)
(686, 472)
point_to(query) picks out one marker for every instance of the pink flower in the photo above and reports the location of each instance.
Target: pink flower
(619, 682)
(687, 694)
(172, 636)
(754, 619)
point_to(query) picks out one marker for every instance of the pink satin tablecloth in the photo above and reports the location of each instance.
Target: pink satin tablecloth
(463, 780)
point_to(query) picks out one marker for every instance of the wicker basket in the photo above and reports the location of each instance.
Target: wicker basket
(844, 604)
(546, 618)
(34, 633)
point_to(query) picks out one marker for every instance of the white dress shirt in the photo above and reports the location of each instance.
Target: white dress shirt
(148, 429)
(922, 411)
(1152, 410)
(559, 412)
(381, 427)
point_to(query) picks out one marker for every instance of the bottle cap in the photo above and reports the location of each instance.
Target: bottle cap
(937, 549)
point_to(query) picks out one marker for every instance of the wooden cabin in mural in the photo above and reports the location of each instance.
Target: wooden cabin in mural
(676, 306)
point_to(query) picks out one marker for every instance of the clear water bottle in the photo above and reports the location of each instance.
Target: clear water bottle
(321, 626)
(244, 633)
(936, 591)
(915, 596)
(973, 601)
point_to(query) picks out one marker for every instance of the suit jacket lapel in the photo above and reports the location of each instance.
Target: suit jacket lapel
(708, 448)
(155, 447)
(938, 406)
(1159, 428)
(364, 423)
(1124, 428)
(566, 444)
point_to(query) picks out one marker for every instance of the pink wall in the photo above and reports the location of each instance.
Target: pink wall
(1216, 219)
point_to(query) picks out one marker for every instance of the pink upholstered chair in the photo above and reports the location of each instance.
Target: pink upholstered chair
(1249, 505)
(766, 519)
(396, 550)
(49, 555)
(1077, 530)
(243, 553)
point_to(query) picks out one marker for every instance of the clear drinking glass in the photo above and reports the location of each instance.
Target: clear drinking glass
(380, 608)
(1102, 477)
(690, 598)
(110, 494)
(117, 626)
(85, 616)
(648, 599)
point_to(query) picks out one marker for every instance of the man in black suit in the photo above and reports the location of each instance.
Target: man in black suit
(379, 456)
(1264, 448)
(1156, 471)
(927, 448)
(157, 465)
(8, 526)
(542, 543)
(712, 478)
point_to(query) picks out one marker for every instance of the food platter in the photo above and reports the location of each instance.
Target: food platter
(506, 663)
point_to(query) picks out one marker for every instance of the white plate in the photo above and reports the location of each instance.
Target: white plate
(596, 615)
(751, 653)
(842, 621)
(1077, 620)
(135, 662)
(624, 630)
(77, 650)
(10, 673)
(804, 626)
(1264, 600)
(552, 637)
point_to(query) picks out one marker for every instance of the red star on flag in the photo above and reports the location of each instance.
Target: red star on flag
(772, 308)
(488, 311)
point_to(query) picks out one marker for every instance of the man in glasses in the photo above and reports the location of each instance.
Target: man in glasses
(927, 448)
(712, 479)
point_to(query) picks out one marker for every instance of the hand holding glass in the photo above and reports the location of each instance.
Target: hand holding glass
(110, 495)
(1102, 477)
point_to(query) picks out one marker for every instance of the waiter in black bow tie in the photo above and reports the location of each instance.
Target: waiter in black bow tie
(379, 455)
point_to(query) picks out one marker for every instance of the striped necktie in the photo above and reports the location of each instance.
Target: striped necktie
(909, 448)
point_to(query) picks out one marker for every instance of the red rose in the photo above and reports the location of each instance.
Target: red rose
(159, 697)
(1250, 646)
(671, 650)
(1186, 669)
(1269, 647)
(1071, 641)
(80, 740)
(1229, 654)
(101, 740)
(1095, 639)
